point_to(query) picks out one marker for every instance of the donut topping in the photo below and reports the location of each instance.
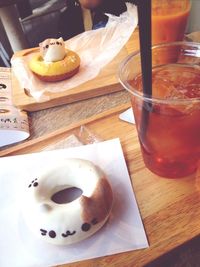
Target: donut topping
(68, 233)
(52, 50)
(52, 234)
(34, 183)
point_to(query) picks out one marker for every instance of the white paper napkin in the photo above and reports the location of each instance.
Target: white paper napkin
(123, 232)
(127, 116)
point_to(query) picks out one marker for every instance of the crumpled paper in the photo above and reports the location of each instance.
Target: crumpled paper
(96, 49)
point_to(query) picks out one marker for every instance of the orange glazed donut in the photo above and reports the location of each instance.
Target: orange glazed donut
(64, 224)
(54, 62)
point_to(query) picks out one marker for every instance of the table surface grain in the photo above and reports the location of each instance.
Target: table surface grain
(49, 120)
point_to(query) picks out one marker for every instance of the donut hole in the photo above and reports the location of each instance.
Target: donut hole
(66, 195)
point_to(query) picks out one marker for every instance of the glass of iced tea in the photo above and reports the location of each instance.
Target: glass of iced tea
(168, 121)
(169, 20)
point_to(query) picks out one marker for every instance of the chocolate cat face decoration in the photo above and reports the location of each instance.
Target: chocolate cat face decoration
(52, 50)
(84, 228)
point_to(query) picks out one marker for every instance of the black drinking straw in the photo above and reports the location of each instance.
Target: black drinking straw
(144, 16)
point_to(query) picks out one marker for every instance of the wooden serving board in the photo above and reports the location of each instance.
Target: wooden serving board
(106, 82)
(170, 209)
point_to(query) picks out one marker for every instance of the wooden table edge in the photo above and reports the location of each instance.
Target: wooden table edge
(30, 143)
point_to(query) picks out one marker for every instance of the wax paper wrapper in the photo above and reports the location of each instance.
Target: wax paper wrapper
(96, 49)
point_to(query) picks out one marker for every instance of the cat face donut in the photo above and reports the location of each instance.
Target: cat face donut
(54, 62)
(64, 224)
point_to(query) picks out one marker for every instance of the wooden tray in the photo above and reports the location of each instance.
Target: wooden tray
(106, 82)
(170, 209)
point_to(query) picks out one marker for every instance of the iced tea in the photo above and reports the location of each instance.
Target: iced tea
(171, 142)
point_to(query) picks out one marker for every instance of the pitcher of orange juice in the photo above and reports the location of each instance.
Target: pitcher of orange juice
(169, 20)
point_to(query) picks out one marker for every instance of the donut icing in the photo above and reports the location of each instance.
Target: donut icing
(68, 223)
(52, 50)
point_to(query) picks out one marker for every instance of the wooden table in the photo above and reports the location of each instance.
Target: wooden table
(46, 121)
(170, 209)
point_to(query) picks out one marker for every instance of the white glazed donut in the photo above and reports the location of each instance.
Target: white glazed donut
(68, 223)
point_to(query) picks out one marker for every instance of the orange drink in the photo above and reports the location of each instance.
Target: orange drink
(169, 19)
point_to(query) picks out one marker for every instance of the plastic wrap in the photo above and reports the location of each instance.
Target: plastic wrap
(81, 136)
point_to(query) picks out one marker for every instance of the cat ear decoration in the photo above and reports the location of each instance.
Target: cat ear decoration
(52, 49)
(61, 40)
